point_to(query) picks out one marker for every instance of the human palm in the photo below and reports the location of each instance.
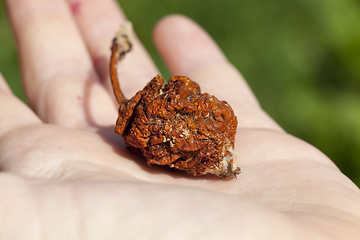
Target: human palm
(66, 174)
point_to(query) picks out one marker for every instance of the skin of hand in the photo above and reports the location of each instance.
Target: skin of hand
(67, 175)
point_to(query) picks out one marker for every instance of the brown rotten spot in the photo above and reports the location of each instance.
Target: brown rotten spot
(175, 124)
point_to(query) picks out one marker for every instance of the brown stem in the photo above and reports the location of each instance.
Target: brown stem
(113, 73)
(122, 44)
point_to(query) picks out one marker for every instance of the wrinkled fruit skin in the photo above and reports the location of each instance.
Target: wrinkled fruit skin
(176, 125)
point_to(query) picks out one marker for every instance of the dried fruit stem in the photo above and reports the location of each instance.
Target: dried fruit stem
(122, 44)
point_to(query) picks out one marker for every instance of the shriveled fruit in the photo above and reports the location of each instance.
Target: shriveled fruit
(175, 124)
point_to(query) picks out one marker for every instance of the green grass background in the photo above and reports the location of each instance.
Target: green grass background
(301, 58)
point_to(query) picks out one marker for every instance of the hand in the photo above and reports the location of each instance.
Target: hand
(66, 174)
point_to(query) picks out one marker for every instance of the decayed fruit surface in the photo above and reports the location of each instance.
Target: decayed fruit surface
(175, 124)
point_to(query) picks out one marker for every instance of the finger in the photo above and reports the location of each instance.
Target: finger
(189, 50)
(98, 22)
(4, 87)
(60, 82)
(14, 113)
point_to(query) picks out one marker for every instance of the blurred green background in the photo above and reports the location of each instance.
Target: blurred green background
(301, 58)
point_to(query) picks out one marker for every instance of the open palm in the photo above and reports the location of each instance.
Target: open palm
(67, 175)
